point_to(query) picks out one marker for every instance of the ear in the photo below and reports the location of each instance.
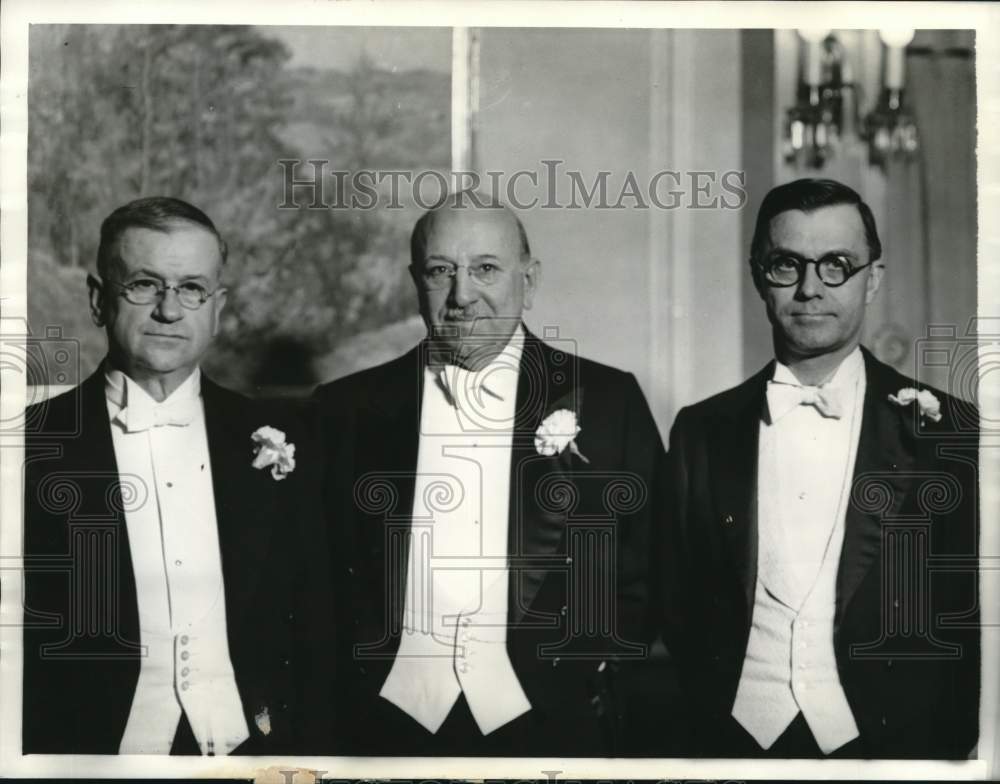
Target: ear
(874, 282)
(96, 296)
(218, 303)
(532, 272)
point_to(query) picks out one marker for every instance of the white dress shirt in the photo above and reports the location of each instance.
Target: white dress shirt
(174, 545)
(805, 468)
(455, 608)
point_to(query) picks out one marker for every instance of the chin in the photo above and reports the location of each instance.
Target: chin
(159, 363)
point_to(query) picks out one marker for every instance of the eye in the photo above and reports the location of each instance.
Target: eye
(784, 264)
(144, 286)
(487, 267)
(837, 261)
(437, 271)
(193, 289)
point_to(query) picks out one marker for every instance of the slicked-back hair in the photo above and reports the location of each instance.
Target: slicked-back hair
(159, 213)
(463, 200)
(806, 195)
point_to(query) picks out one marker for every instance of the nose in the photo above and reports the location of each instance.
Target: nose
(463, 290)
(169, 308)
(810, 286)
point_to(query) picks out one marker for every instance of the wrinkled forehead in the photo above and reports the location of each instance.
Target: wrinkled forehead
(821, 231)
(180, 249)
(472, 231)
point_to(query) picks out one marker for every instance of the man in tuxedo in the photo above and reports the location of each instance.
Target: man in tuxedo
(820, 588)
(170, 600)
(489, 501)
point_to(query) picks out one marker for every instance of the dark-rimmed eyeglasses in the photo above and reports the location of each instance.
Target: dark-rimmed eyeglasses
(439, 276)
(145, 291)
(788, 269)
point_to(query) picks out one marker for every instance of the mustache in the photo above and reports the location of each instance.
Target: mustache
(460, 314)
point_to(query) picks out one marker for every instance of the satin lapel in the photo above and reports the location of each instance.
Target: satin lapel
(387, 445)
(94, 454)
(885, 458)
(541, 491)
(733, 452)
(246, 511)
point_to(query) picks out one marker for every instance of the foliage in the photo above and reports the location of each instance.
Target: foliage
(204, 113)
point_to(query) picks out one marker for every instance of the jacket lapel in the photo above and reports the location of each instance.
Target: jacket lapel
(387, 441)
(245, 506)
(885, 458)
(733, 451)
(540, 498)
(94, 455)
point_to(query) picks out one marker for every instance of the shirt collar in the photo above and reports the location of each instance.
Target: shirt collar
(121, 391)
(846, 374)
(497, 380)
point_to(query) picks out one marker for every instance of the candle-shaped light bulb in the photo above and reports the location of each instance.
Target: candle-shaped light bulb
(814, 55)
(895, 40)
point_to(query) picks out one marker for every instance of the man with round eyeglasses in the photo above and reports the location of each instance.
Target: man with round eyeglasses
(783, 604)
(176, 575)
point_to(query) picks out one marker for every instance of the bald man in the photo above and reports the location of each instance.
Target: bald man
(489, 509)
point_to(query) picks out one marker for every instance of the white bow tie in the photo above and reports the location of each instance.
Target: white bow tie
(782, 398)
(463, 385)
(136, 418)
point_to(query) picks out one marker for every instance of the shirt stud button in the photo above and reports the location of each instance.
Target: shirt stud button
(185, 685)
(184, 639)
(185, 671)
(185, 655)
(728, 519)
(178, 562)
(555, 662)
(170, 484)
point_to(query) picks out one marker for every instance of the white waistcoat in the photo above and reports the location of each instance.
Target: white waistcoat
(455, 612)
(805, 469)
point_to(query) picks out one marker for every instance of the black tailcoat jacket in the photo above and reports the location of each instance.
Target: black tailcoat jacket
(906, 627)
(578, 542)
(81, 637)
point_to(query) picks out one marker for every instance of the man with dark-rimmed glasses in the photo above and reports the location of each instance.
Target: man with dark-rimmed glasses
(803, 597)
(168, 605)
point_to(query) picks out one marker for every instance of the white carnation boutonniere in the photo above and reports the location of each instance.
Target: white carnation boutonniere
(558, 432)
(270, 449)
(930, 406)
